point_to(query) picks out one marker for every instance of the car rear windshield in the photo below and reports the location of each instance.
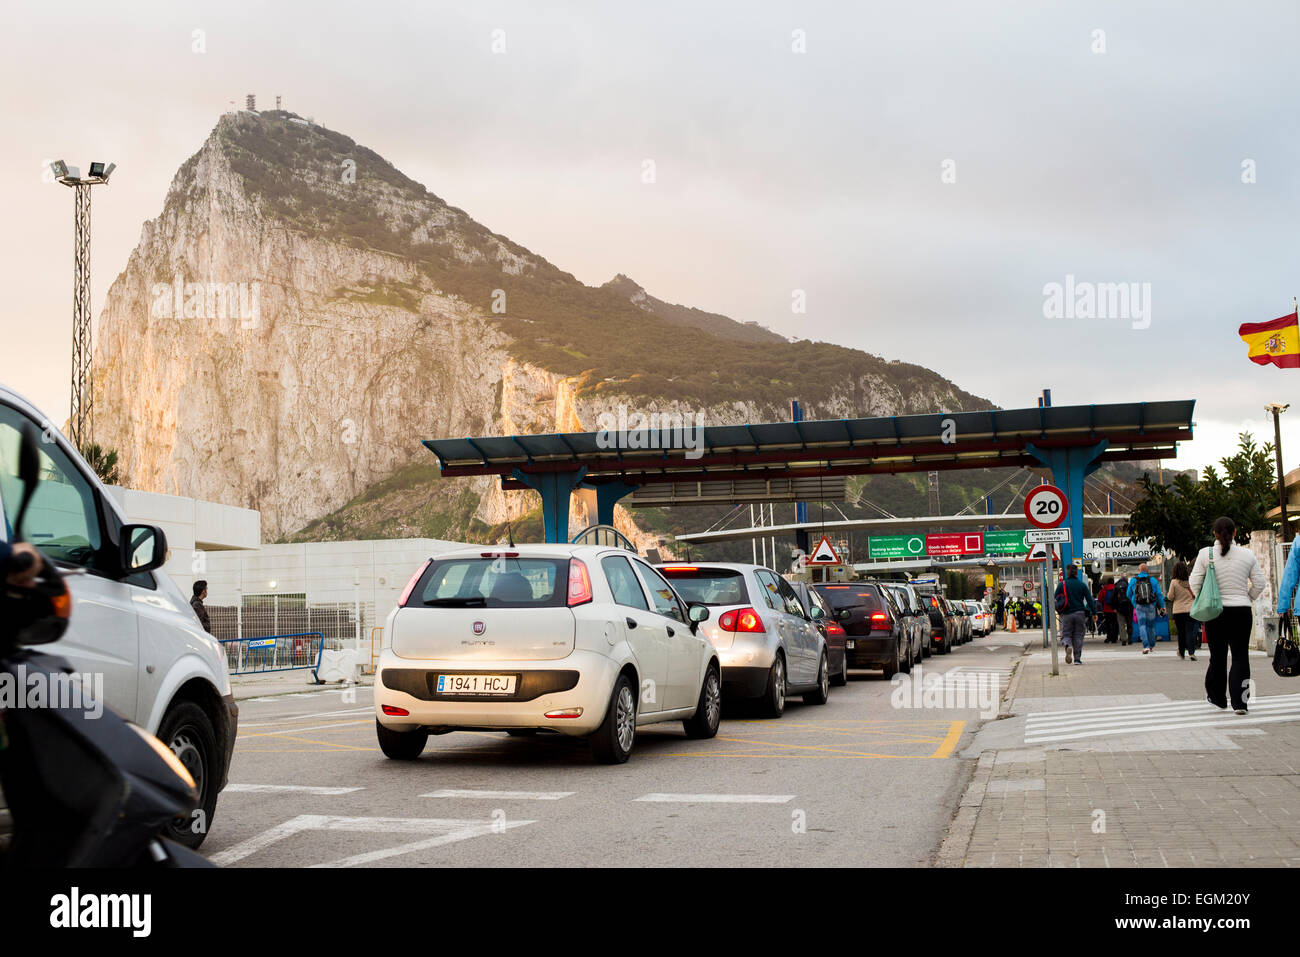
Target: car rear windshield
(707, 586)
(852, 596)
(496, 582)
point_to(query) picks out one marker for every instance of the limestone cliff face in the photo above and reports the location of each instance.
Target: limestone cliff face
(283, 336)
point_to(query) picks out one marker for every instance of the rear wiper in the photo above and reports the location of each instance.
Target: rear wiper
(457, 602)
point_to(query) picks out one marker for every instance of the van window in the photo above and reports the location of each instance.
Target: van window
(63, 518)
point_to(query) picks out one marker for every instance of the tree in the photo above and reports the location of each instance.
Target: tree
(1178, 517)
(103, 461)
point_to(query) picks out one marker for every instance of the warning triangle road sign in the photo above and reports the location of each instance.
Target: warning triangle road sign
(824, 554)
(1038, 553)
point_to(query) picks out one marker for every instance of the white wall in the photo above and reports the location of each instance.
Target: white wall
(193, 528)
(369, 572)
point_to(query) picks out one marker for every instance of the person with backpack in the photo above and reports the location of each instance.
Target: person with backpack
(1189, 629)
(1075, 604)
(1123, 610)
(1240, 580)
(1109, 617)
(1145, 597)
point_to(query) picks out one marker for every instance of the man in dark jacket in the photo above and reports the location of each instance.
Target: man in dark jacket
(1078, 606)
(200, 593)
(1123, 610)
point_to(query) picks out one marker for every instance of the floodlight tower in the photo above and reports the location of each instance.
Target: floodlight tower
(81, 419)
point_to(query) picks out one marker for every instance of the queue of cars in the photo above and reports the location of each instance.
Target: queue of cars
(594, 641)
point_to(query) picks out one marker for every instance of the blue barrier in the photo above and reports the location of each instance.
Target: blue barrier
(262, 653)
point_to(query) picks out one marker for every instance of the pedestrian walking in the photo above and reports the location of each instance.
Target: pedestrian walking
(1240, 581)
(1109, 618)
(1123, 610)
(1149, 604)
(1078, 607)
(1180, 600)
(200, 593)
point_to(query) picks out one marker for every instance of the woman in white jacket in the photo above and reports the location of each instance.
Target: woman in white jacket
(1240, 581)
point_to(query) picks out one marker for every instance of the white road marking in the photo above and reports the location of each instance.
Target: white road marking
(281, 719)
(501, 795)
(447, 831)
(316, 727)
(277, 788)
(718, 798)
(1055, 726)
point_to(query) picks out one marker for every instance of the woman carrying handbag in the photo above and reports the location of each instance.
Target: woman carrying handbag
(1225, 579)
(1180, 599)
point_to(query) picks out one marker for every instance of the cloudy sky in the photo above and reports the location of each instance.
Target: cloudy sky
(921, 171)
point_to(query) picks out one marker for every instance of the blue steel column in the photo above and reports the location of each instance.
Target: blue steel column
(555, 489)
(1070, 466)
(607, 494)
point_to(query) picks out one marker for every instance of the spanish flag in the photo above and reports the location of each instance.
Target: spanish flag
(1277, 342)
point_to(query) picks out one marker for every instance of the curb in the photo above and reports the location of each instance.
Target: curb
(952, 852)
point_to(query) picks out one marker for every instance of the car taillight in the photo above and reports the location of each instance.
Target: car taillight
(832, 628)
(742, 620)
(410, 586)
(878, 619)
(579, 582)
(395, 711)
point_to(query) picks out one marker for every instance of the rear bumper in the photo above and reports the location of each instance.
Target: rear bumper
(583, 680)
(870, 651)
(744, 681)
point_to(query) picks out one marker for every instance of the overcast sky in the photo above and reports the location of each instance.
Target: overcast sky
(775, 170)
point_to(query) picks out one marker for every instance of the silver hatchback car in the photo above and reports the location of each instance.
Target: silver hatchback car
(767, 644)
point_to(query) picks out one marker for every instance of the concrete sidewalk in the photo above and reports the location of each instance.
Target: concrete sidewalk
(1120, 762)
(272, 683)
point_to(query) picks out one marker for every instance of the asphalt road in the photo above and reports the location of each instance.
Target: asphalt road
(855, 782)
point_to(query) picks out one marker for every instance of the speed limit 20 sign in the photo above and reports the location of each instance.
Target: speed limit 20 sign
(1045, 506)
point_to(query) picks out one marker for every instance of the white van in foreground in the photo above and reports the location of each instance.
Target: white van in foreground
(160, 669)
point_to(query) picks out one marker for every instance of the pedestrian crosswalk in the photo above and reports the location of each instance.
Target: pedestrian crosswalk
(1052, 727)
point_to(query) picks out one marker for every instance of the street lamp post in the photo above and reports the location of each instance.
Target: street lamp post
(1277, 408)
(81, 418)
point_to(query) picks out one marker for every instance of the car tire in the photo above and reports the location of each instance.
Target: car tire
(841, 679)
(891, 667)
(943, 648)
(187, 730)
(401, 745)
(613, 741)
(927, 644)
(906, 667)
(708, 709)
(822, 693)
(774, 694)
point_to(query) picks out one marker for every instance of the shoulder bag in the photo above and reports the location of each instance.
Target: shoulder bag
(1286, 654)
(1208, 604)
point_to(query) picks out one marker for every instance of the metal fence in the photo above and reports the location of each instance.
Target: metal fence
(264, 616)
(254, 655)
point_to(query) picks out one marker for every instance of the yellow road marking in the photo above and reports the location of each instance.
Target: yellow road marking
(950, 741)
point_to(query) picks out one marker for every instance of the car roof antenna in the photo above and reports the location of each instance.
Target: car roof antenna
(510, 534)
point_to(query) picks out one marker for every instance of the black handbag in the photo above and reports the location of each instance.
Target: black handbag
(1286, 653)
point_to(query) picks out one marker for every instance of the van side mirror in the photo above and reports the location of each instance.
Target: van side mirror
(143, 548)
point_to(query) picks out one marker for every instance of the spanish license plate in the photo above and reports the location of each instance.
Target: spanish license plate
(476, 684)
(849, 644)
